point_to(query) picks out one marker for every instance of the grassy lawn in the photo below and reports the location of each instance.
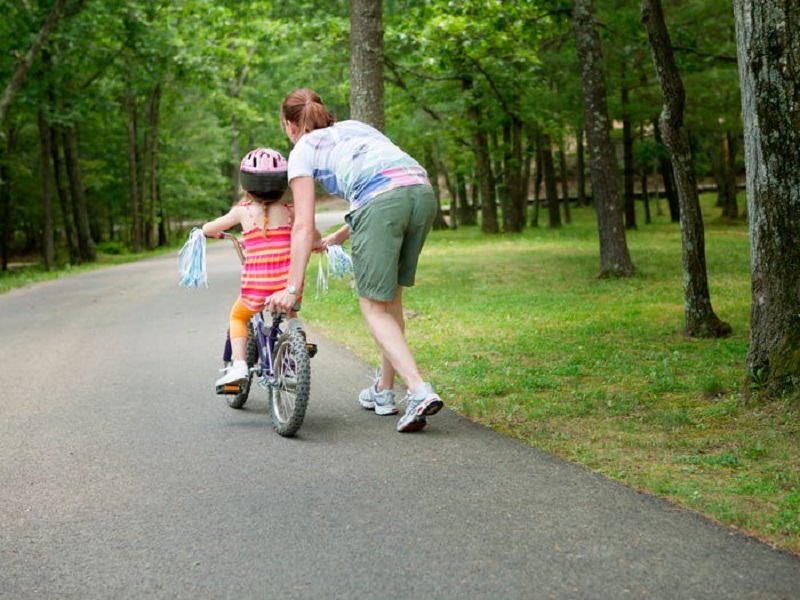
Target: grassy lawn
(517, 334)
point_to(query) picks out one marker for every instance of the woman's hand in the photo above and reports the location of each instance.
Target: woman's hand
(337, 238)
(281, 302)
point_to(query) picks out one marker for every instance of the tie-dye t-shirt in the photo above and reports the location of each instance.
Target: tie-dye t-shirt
(354, 161)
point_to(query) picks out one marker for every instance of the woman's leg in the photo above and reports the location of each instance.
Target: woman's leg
(387, 327)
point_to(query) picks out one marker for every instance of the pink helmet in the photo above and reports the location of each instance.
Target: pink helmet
(263, 170)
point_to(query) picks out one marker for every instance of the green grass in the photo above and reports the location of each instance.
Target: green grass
(516, 333)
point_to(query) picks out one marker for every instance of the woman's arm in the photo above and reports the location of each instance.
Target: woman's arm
(303, 232)
(337, 238)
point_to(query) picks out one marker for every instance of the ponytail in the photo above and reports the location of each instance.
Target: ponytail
(305, 109)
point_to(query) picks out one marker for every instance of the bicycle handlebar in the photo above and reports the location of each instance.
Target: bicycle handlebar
(236, 244)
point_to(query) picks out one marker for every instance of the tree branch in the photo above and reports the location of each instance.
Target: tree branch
(16, 81)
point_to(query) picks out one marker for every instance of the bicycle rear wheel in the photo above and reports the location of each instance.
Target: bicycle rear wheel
(251, 356)
(290, 392)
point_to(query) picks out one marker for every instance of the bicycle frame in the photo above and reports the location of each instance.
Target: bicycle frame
(266, 346)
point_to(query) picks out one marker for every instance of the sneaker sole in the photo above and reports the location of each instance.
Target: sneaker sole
(239, 381)
(414, 425)
(379, 410)
(431, 408)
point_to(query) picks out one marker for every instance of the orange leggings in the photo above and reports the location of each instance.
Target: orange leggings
(240, 315)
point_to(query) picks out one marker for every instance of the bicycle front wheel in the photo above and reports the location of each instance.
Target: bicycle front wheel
(292, 387)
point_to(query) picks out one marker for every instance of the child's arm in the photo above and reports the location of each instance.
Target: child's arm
(212, 229)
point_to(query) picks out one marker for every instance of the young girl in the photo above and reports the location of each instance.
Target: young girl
(267, 227)
(392, 207)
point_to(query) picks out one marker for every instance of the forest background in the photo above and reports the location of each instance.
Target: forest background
(130, 122)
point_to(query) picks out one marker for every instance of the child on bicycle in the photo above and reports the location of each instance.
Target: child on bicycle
(266, 224)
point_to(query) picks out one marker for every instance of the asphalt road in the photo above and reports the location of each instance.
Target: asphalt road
(122, 475)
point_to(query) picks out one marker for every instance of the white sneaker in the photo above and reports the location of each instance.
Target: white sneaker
(425, 403)
(235, 374)
(381, 402)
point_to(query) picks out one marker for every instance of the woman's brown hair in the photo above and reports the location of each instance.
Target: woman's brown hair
(305, 109)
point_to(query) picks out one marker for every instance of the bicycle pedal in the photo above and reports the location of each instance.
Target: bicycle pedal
(231, 388)
(312, 349)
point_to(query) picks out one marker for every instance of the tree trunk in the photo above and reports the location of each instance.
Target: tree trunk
(440, 169)
(615, 259)
(78, 193)
(648, 219)
(466, 209)
(67, 215)
(136, 230)
(154, 110)
(564, 176)
(433, 174)
(366, 62)
(48, 245)
(580, 169)
(538, 177)
(718, 158)
(627, 160)
(700, 318)
(550, 189)
(6, 194)
(644, 168)
(515, 169)
(730, 207)
(667, 177)
(480, 146)
(769, 72)
(527, 157)
(475, 198)
(502, 173)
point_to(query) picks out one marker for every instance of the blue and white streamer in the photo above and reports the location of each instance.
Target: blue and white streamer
(192, 261)
(339, 265)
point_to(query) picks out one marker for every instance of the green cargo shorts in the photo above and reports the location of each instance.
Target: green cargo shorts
(386, 238)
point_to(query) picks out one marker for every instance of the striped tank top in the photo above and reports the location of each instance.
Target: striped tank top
(266, 264)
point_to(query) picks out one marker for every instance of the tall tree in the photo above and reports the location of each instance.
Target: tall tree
(366, 62)
(615, 258)
(768, 47)
(701, 321)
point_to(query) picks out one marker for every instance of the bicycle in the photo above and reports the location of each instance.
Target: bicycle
(282, 362)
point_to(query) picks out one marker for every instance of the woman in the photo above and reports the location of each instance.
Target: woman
(392, 207)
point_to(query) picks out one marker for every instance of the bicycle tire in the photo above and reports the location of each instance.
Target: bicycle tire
(292, 387)
(251, 356)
